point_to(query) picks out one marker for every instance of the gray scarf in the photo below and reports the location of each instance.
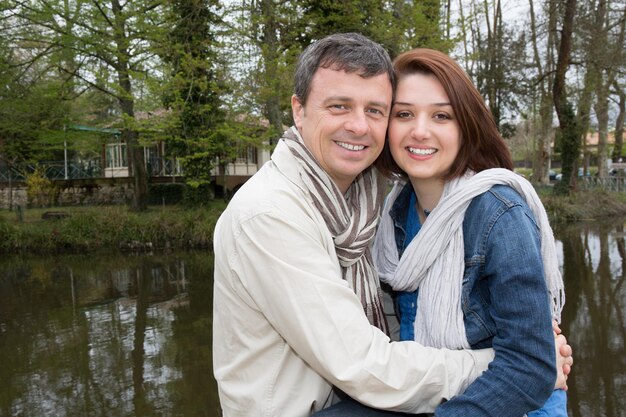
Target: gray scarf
(438, 270)
(351, 219)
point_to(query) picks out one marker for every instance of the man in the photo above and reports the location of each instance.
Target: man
(293, 272)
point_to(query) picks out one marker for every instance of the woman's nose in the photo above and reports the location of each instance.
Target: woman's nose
(420, 129)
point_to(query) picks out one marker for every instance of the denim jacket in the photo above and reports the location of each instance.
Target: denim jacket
(504, 302)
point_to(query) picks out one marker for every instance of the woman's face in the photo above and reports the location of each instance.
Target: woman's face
(424, 135)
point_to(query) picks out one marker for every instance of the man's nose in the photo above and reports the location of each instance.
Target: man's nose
(357, 124)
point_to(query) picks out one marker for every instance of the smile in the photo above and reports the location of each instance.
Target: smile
(350, 147)
(422, 152)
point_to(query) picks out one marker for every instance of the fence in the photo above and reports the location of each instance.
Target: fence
(56, 170)
(607, 184)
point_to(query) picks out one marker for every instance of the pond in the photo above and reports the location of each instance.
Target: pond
(107, 335)
(130, 335)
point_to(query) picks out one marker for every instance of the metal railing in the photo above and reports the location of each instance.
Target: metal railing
(56, 170)
(617, 183)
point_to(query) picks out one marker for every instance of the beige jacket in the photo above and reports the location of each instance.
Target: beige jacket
(286, 327)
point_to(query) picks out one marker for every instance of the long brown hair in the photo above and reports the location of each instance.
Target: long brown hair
(482, 147)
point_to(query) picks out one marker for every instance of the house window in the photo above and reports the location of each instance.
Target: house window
(246, 155)
(116, 155)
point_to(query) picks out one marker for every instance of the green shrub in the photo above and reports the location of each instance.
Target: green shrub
(200, 195)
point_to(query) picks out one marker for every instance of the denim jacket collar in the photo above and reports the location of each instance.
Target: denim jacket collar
(399, 213)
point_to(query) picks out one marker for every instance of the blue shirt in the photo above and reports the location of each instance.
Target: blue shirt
(406, 301)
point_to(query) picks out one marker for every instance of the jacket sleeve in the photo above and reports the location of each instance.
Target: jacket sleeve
(293, 279)
(522, 375)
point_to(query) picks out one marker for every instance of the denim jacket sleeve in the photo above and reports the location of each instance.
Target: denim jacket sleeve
(504, 273)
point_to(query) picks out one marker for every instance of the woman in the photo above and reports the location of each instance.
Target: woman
(466, 242)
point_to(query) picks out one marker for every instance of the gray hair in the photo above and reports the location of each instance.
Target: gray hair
(349, 52)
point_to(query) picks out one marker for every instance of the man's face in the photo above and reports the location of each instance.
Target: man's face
(343, 122)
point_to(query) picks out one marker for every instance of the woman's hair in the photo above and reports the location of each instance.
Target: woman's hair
(482, 147)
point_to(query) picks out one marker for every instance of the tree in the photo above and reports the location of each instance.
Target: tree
(601, 34)
(541, 86)
(194, 89)
(111, 43)
(612, 61)
(30, 106)
(261, 45)
(493, 56)
(397, 25)
(270, 52)
(593, 38)
(619, 122)
(569, 130)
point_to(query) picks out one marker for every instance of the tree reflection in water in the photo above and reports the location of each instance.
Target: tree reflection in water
(106, 335)
(594, 267)
(115, 335)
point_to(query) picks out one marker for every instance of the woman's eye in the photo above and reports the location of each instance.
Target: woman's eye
(403, 114)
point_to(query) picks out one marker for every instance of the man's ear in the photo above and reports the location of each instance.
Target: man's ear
(297, 111)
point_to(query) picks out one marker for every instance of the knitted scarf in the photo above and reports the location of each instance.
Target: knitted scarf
(434, 260)
(352, 221)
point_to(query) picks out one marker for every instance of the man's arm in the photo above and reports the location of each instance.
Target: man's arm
(288, 269)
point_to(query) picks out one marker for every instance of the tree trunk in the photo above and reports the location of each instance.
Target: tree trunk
(127, 104)
(601, 63)
(567, 121)
(602, 113)
(619, 91)
(543, 154)
(10, 188)
(270, 51)
(619, 125)
(584, 105)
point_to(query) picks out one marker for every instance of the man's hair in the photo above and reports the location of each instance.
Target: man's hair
(482, 147)
(349, 52)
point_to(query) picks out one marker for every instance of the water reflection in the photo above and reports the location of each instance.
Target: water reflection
(116, 335)
(594, 271)
(106, 335)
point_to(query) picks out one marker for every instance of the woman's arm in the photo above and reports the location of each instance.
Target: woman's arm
(523, 373)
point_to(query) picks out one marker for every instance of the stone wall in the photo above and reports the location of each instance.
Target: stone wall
(19, 197)
(72, 193)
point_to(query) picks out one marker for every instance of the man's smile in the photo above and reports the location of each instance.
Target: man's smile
(350, 146)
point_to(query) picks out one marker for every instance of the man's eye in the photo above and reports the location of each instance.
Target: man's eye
(375, 111)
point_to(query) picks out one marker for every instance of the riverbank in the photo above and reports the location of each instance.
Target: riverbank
(88, 229)
(583, 205)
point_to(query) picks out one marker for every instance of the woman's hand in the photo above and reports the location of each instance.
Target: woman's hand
(564, 359)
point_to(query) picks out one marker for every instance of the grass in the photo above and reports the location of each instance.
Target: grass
(89, 229)
(583, 205)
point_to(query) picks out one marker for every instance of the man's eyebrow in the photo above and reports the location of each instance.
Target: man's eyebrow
(343, 99)
(380, 104)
